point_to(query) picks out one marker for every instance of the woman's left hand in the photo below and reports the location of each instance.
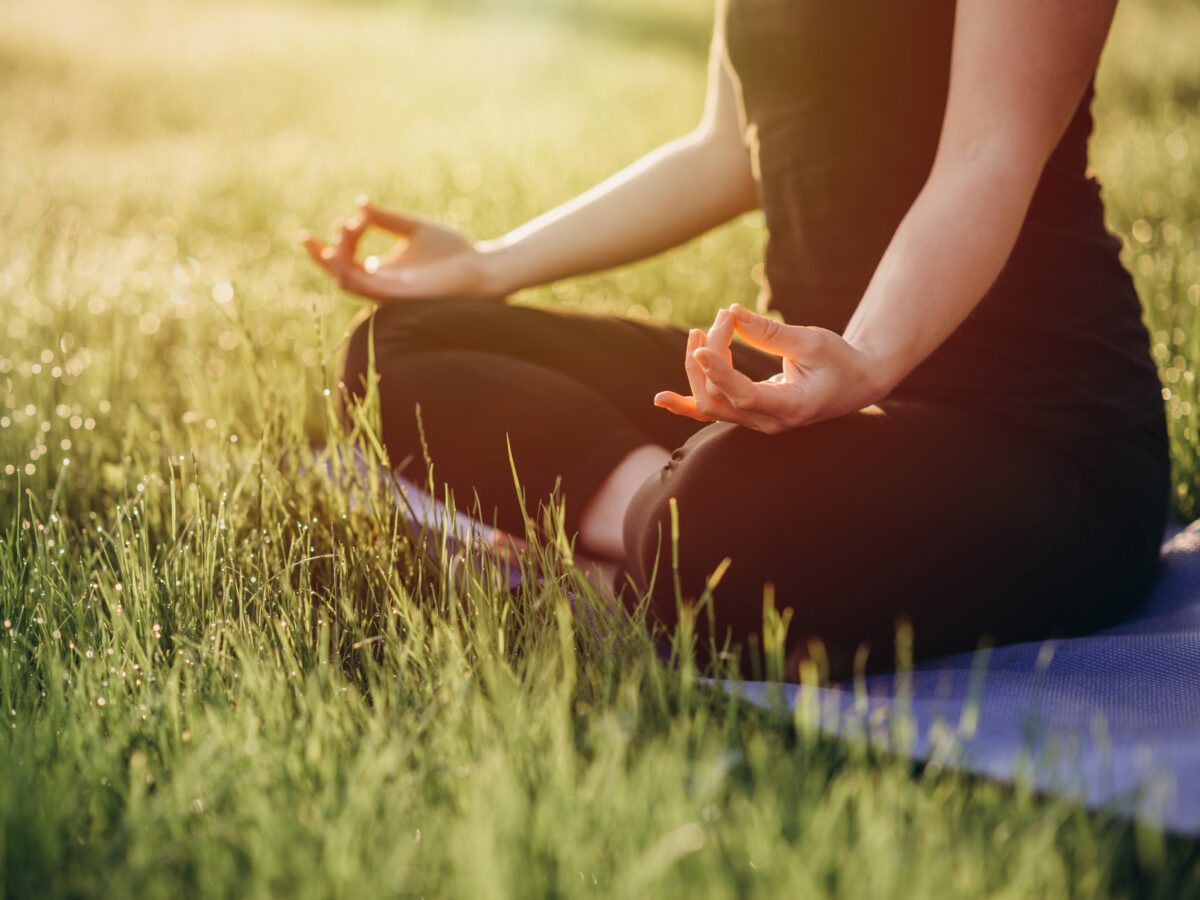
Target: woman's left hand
(823, 375)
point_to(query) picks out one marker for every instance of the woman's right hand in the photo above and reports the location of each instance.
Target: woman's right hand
(430, 260)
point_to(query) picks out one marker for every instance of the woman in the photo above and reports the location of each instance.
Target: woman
(960, 427)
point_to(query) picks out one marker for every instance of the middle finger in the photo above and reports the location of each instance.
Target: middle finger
(348, 237)
(725, 382)
(720, 335)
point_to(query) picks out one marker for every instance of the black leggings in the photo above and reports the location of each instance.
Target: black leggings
(951, 518)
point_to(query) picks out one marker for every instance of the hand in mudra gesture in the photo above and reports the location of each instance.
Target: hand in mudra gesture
(429, 261)
(823, 376)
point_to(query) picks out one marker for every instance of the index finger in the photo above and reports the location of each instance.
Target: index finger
(387, 219)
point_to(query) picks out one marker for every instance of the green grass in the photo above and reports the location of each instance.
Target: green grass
(221, 679)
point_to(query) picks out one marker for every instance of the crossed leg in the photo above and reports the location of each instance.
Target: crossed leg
(912, 511)
(954, 521)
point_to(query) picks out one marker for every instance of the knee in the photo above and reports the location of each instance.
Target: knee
(356, 354)
(355, 367)
(376, 335)
(647, 528)
(691, 481)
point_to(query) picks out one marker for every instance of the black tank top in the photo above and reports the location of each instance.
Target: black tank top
(842, 102)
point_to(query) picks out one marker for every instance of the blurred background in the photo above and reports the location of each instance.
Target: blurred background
(160, 156)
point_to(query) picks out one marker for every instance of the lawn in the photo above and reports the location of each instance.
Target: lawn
(224, 678)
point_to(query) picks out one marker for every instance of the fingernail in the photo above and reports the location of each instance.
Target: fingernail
(701, 360)
(362, 200)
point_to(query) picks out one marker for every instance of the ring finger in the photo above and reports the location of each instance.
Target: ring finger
(695, 375)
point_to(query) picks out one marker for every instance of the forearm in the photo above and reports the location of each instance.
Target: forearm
(946, 254)
(672, 194)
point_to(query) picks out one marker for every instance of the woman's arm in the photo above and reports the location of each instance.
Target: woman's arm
(1017, 72)
(1018, 69)
(674, 193)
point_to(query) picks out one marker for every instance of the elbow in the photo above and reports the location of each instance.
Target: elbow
(708, 137)
(722, 159)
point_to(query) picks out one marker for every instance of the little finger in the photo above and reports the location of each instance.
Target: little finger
(681, 406)
(321, 254)
(693, 408)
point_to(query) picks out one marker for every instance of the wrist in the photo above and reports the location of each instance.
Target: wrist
(499, 265)
(882, 368)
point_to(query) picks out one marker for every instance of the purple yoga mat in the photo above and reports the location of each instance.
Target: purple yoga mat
(1112, 718)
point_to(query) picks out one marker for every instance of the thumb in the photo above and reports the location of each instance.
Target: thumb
(763, 333)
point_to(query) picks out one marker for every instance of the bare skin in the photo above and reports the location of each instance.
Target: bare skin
(650, 206)
(602, 524)
(996, 136)
(602, 520)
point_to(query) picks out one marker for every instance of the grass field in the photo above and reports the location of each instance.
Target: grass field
(220, 679)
